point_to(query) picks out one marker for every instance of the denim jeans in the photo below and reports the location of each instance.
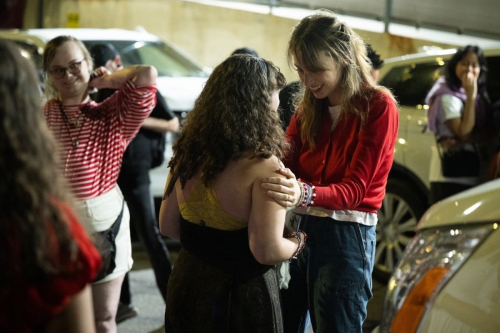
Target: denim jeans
(331, 278)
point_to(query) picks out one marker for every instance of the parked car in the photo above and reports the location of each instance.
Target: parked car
(448, 277)
(410, 78)
(180, 77)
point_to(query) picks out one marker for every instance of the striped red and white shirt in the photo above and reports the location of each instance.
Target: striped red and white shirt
(103, 133)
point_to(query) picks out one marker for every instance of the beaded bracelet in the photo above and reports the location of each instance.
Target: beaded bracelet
(301, 236)
(302, 194)
(308, 194)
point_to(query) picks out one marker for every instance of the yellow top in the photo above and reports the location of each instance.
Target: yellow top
(202, 207)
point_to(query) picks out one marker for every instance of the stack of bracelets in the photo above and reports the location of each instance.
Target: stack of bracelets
(301, 237)
(307, 195)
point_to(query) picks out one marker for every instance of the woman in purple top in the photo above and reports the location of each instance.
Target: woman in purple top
(459, 115)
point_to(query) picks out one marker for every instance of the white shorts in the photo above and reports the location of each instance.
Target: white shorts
(101, 212)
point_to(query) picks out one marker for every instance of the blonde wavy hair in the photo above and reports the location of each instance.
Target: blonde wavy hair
(320, 34)
(49, 54)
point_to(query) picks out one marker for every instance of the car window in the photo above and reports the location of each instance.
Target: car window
(411, 83)
(165, 59)
(119, 45)
(493, 79)
(31, 51)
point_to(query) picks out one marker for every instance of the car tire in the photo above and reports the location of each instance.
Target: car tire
(401, 209)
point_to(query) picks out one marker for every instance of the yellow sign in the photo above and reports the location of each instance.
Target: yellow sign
(73, 20)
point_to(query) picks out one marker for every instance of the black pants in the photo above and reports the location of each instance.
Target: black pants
(142, 215)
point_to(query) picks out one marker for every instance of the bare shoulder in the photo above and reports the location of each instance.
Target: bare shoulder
(262, 168)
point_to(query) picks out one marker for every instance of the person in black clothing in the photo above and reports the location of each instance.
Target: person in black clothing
(288, 103)
(375, 60)
(245, 50)
(144, 152)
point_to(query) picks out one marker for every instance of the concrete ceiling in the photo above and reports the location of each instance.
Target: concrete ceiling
(479, 17)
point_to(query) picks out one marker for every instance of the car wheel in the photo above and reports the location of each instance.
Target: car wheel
(401, 209)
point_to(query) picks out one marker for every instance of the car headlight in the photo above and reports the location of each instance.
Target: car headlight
(430, 260)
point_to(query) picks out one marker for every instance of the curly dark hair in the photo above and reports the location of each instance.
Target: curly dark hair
(374, 57)
(31, 184)
(232, 118)
(450, 75)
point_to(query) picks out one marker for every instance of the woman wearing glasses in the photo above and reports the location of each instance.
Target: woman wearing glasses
(92, 139)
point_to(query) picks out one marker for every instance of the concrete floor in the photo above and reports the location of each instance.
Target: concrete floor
(147, 298)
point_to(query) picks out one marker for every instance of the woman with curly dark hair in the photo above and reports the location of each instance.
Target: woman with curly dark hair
(231, 232)
(46, 257)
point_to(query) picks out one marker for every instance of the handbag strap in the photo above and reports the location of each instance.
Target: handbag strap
(116, 225)
(438, 146)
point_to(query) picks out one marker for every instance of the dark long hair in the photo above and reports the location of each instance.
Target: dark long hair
(451, 78)
(31, 184)
(319, 34)
(232, 118)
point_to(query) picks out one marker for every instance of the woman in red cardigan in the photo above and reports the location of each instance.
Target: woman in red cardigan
(342, 135)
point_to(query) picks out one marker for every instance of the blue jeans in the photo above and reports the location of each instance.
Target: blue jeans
(331, 278)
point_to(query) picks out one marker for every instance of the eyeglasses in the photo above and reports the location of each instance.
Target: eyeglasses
(73, 68)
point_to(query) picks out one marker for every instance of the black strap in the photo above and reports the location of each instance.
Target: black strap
(438, 146)
(170, 186)
(116, 225)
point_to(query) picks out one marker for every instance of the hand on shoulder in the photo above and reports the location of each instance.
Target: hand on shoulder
(282, 185)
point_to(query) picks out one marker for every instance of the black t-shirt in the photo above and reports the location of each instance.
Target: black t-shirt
(286, 102)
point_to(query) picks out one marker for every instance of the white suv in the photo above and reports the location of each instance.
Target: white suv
(180, 78)
(410, 78)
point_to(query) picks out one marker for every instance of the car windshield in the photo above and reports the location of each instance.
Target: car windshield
(411, 83)
(164, 58)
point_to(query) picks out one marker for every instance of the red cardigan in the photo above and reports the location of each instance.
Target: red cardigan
(349, 166)
(28, 306)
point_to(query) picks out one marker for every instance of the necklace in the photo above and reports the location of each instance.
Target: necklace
(74, 124)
